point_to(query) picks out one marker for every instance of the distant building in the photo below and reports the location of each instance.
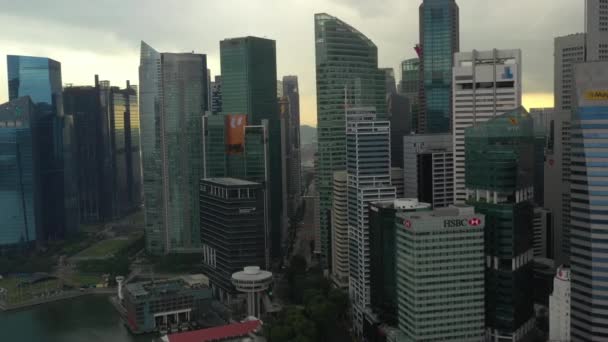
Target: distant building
(559, 307)
(368, 180)
(339, 231)
(397, 181)
(486, 84)
(154, 305)
(382, 243)
(440, 39)
(346, 66)
(504, 145)
(40, 79)
(21, 198)
(233, 230)
(293, 170)
(389, 80)
(399, 114)
(440, 274)
(429, 168)
(107, 139)
(569, 50)
(410, 88)
(216, 95)
(543, 238)
(171, 172)
(596, 29)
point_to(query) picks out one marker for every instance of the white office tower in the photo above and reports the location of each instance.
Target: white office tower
(485, 84)
(559, 307)
(339, 232)
(429, 168)
(569, 50)
(368, 180)
(596, 19)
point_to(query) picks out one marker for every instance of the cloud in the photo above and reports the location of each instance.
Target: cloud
(103, 36)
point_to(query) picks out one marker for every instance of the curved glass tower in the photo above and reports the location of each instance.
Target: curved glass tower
(347, 72)
(439, 36)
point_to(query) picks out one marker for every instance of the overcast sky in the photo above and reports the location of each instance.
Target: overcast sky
(103, 36)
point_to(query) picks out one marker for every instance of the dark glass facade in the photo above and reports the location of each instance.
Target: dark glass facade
(399, 111)
(20, 200)
(346, 70)
(232, 229)
(107, 139)
(40, 78)
(500, 167)
(410, 88)
(439, 36)
(249, 86)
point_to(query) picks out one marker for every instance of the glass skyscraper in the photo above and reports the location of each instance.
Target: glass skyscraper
(20, 198)
(173, 99)
(589, 204)
(347, 73)
(40, 79)
(439, 37)
(500, 184)
(249, 86)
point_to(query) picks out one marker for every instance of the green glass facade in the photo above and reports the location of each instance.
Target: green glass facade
(410, 87)
(439, 36)
(173, 99)
(500, 163)
(249, 86)
(347, 71)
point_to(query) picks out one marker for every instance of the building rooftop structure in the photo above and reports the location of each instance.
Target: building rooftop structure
(222, 333)
(152, 288)
(227, 181)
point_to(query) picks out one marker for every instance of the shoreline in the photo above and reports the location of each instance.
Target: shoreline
(70, 295)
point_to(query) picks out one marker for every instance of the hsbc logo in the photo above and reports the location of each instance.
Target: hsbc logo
(473, 222)
(407, 224)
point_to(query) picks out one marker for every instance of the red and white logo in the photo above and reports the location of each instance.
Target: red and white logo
(474, 222)
(407, 224)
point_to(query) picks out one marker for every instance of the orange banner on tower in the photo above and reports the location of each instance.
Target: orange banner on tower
(235, 133)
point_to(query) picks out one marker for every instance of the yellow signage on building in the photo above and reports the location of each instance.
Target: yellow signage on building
(596, 95)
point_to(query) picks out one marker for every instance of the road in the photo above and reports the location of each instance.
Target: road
(305, 229)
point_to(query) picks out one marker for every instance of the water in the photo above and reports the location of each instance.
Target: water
(83, 319)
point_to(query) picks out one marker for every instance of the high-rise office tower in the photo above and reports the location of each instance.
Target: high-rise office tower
(216, 95)
(249, 86)
(588, 204)
(368, 180)
(410, 88)
(339, 232)
(559, 306)
(382, 243)
(569, 50)
(439, 36)
(486, 84)
(232, 213)
(292, 146)
(40, 79)
(173, 99)
(542, 230)
(106, 127)
(499, 181)
(20, 194)
(397, 181)
(439, 274)
(596, 22)
(389, 80)
(347, 74)
(429, 168)
(399, 114)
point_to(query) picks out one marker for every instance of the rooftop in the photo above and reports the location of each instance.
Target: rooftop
(170, 285)
(252, 273)
(227, 181)
(452, 210)
(217, 333)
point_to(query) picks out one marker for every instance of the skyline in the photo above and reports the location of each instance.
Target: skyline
(106, 41)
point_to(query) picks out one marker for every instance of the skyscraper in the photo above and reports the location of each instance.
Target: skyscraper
(400, 116)
(339, 232)
(173, 99)
(588, 204)
(368, 180)
(569, 50)
(596, 21)
(292, 147)
(20, 194)
(216, 95)
(439, 36)
(410, 88)
(106, 130)
(486, 84)
(347, 73)
(249, 86)
(499, 180)
(40, 79)
(429, 168)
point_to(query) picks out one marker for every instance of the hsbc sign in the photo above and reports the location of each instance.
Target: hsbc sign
(455, 223)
